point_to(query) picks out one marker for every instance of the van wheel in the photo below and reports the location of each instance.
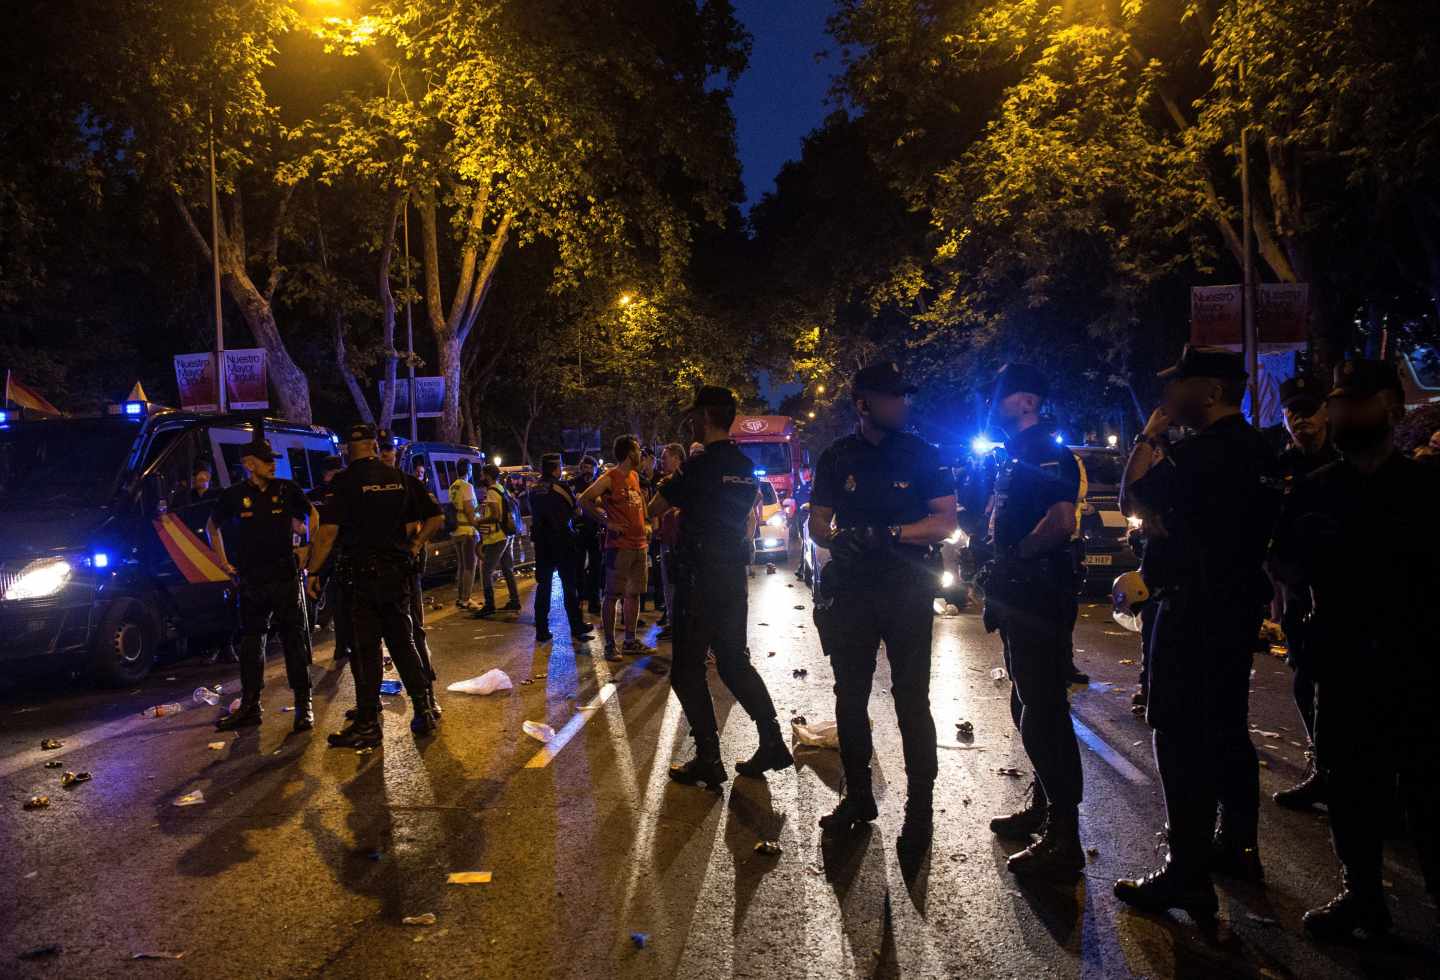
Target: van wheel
(125, 645)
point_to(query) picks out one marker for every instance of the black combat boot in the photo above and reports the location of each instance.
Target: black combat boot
(362, 733)
(1028, 820)
(434, 704)
(852, 811)
(770, 755)
(704, 768)
(919, 826)
(1304, 794)
(246, 716)
(1229, 859)
(423, 721)
(1057, 854)
(1168, 888)
(304, 711)
(1352, 915)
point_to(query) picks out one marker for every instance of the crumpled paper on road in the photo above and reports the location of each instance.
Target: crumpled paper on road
(818, 735)
(489, 682)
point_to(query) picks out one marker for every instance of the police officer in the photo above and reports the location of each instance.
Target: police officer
(333, 612)
(1212, 498)
(1360, 535)
(372, 513)
(557, 550)
(592, 564)
(881, 503)
(1302, 400)
(717, 492)
(252, 530)
(389, 454)
(1029, 590)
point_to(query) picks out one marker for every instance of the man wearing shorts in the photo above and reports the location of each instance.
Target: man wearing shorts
(615, 501)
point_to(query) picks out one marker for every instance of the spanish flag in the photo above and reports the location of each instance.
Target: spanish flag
(27, 397)
(196, 561)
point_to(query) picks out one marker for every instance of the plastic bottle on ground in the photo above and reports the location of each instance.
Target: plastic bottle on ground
(161, 710)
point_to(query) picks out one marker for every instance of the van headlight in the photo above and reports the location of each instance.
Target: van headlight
(39, 579)
(1135, 522)
(776, 520)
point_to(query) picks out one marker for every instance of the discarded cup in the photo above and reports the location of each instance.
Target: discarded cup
(203, 695)
(999, 676)
(391, 687)
(162, 710)
(538, 731)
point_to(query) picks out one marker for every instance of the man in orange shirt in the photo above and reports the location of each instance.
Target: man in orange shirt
(614, 500)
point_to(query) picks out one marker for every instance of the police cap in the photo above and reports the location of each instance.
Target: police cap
(260, 449)
(361, 432)
(883, 379)
(1019, 377)
(1205, 362)
(1362, 378)
(1301, 394)
(713, 396)
(551, 461)
(386, 438)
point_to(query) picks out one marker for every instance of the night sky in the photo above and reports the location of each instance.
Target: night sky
(782, 95)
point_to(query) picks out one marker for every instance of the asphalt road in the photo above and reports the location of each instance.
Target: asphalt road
(303, 861)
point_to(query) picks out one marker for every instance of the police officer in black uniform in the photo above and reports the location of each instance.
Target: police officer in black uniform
(332, 612)
(1303, 402)
(716, 491)
(372, 513)
(1029, 588)
(557, 550)
(1210, 502)
(389, 455)
(1360, 535)
(252, 530)
(882, 503)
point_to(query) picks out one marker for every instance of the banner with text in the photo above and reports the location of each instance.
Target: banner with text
(246, 382)
(1282, 316)
(195, 377)
(429, 397)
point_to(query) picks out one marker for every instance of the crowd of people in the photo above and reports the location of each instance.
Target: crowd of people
(1337, 532)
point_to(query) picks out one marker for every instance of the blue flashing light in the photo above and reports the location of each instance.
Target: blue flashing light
(100, 560)
(4, 416)
(1059, 439)
(981, 445)
(761, 472)
(134, 408)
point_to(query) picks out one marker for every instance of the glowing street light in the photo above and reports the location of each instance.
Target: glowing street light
(625, 300)
(1112, 440)
(811, 414)
(819, 389)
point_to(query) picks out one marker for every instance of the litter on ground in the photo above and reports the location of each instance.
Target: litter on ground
(191, 799)
(489, 682)
(424, 919)
(468, 878)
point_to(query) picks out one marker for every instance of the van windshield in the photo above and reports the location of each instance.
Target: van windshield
(64, 463)
(772, 457)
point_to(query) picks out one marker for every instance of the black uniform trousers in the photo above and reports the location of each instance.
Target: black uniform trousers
(711, 615)
(893, 607)
(379, 599)
(1298, 638)
(1199, 707)
(590, 577)
(1378, 750)
(548, 562)
(417, 623)
(1036, 613)
(337, 607)
(276, 605)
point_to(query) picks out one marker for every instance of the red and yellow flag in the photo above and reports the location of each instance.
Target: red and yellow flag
(196, 561)
(27, 397)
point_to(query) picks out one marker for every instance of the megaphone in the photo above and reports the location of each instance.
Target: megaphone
(1128, 594)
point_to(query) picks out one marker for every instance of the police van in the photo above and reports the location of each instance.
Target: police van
(101, 535)
(442, 460)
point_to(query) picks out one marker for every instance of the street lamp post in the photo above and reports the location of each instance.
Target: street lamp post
(215, 269)
(410, 331)
(1251, 341)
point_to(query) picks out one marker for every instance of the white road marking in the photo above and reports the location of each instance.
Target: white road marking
(1114, 759)
(570, 729)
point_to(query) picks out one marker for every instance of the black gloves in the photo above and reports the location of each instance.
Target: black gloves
(855, 543)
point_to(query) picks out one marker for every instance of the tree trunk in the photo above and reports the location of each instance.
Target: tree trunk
(342, 362)
(387, 310)
(449, 344)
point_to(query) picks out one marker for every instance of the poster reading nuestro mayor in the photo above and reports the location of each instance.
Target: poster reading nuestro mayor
(246, 384)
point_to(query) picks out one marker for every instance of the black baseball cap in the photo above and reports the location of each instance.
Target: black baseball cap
(883, 379)
(1301, 394)
(550, 459)
(713, 396)
(361, 432)
(1363, 377)
(260, 449)
(586, 459)
(1019, 377)
(1205, 362)
(331, 463)
(386, 438)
